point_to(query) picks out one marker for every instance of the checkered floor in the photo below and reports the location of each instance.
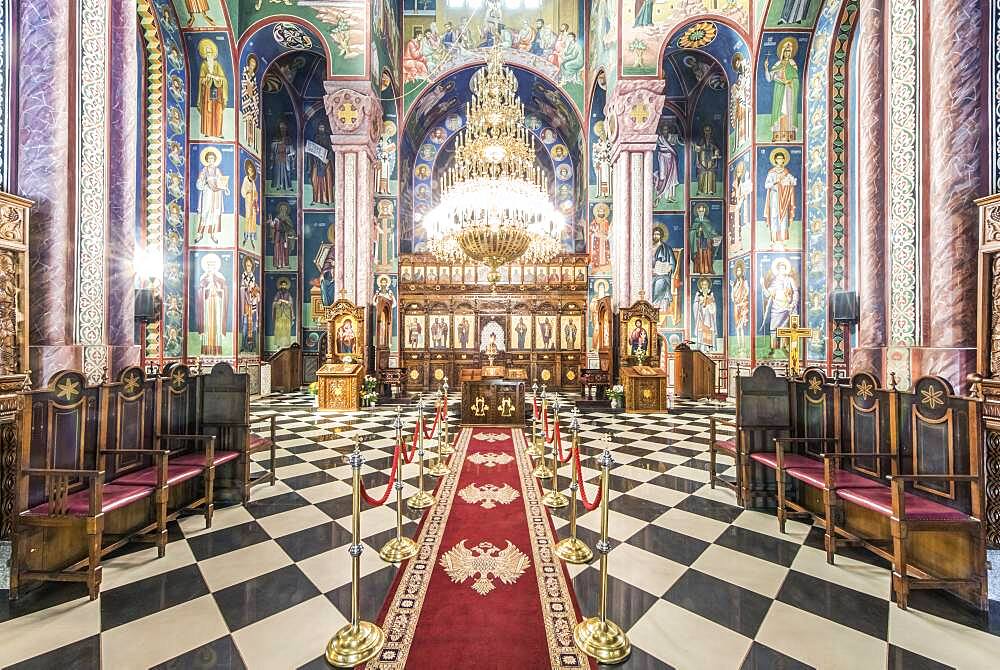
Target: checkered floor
(696, 581)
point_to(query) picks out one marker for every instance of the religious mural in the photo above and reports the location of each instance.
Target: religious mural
(212, 219)
(387, 287)
(604, 40)
(668, 269)
(281, 237)
(779, 201)
(342, 24)
(210, 304)
(318, 265)
(740, 322)
(201, 13)
(598, 330)
(779, 86)
(778, 298)
(705, 237)
(600, 238)
(249, 305)
(250, 203)
(707, 313)
(708, 141)
(647, 23)
(212, 110)
(545, 35)
(740, 206)
(792, 13)
(669, 164)
(281, 325)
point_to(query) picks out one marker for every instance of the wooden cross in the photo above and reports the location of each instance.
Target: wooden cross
(639, 113)
(793, 333)
(348, 114)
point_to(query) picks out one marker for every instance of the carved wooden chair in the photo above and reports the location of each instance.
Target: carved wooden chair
(70, 513)
(763, 412)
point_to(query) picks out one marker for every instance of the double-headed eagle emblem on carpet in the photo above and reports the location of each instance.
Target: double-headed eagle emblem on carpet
(484, 559)
(491, 437)
(488, 496)
(490, 459)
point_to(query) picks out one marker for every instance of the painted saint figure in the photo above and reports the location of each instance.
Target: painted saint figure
(463, 333)
(283, 314)
(600, 237)
(250, 104)
(638, 339)
(570, 332)
(703, 242)
(705, 310)
(779, 205)
(740, 106)
(250, 308)
(740, 190)
(212, 306)
(664, 272)
(282, 159)
(282, 235)
(571, 63)
(385, 234)
(666, 174)
(784, 78)
(213, 89)
(196, 8)
(320, 166)
(707, 155)
(643, 13)
(781, 293)
(546, 331)
(521, 330)
(251, 203)
(212, 187)
(347, 339)
(739, 293)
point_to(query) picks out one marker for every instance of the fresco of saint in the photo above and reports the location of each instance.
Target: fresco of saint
(212, 186)
(779, 206)
(784, 78)
(213, 89)
(212, 306)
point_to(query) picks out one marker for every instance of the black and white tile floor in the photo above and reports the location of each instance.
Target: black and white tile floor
(696, 581)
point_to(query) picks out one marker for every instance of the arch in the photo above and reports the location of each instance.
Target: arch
(255, 30)
(733, 28)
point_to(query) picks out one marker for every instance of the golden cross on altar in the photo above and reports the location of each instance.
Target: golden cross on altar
(348, 114)
(479, 408)
(639, 113)
(793, 333)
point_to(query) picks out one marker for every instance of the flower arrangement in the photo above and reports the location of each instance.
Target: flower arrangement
(369, 394)
(640, 356)
(314, 388)
(616, 394)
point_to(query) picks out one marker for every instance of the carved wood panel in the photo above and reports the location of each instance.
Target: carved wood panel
(993, 487)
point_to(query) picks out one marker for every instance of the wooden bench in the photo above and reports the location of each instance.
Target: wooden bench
(69, 512)
(898, 473)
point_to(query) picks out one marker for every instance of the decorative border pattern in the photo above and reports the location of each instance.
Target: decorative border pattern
(818, 179)
(904, 164)
(91, 287)
(839, 160)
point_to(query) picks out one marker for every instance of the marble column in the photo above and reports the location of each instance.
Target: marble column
(45, 174)
(870, 350)
(633, 113)
(956, 140)
(356, 119)
(124, 114)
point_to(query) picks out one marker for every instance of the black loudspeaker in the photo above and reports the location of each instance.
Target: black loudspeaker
(147, 306)
(844, 306)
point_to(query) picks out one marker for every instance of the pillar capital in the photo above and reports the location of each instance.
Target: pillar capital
(633, 113)
(355, 114)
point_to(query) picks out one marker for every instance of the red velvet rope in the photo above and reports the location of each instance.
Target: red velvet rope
(590, 506)
(545, 421)
(558, 440)
(388, 487)
(408, 458)
(437, 417)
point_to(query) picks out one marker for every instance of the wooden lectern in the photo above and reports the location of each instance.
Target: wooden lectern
(342, 377)
(639, 344)
(694, 373)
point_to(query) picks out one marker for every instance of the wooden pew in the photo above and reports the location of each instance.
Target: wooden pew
(70, 513)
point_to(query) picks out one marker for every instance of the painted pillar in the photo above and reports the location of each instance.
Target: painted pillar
(356, 119)
(45, 175)
(957, 140)
(124, 114)
(870, 349)
(632, 114)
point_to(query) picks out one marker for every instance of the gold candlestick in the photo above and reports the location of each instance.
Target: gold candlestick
(439, 469)
(572, 549)
(400, 547)
(554, 498)
(599, 637)
(542, 470)
(447, 449)
(358, 641)
(533, 449)
(421, 499)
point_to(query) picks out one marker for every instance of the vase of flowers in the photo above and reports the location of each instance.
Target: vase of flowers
(640, 356)
(616, 394)
(314, 392)
(369, 394)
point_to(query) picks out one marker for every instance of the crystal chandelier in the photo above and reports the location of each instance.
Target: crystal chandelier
(494, 206)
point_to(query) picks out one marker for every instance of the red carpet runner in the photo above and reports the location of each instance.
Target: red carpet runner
(485, 590)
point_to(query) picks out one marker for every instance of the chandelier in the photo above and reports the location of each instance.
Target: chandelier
(494, 206)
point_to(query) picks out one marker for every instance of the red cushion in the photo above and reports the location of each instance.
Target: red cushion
(770, 459)
(726, 445)
(814, 477)
(198, 458)
(147, 476)
(916, 508)
(257, 442)
(115, 497)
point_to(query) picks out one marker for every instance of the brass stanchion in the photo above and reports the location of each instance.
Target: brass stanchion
(542, 470)
(358, 641)
(533, 449)
(598, 636)
(400, 547)
(446, 448)
(439, 469)
(421, 499)
(554, 498)
(572, 549)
